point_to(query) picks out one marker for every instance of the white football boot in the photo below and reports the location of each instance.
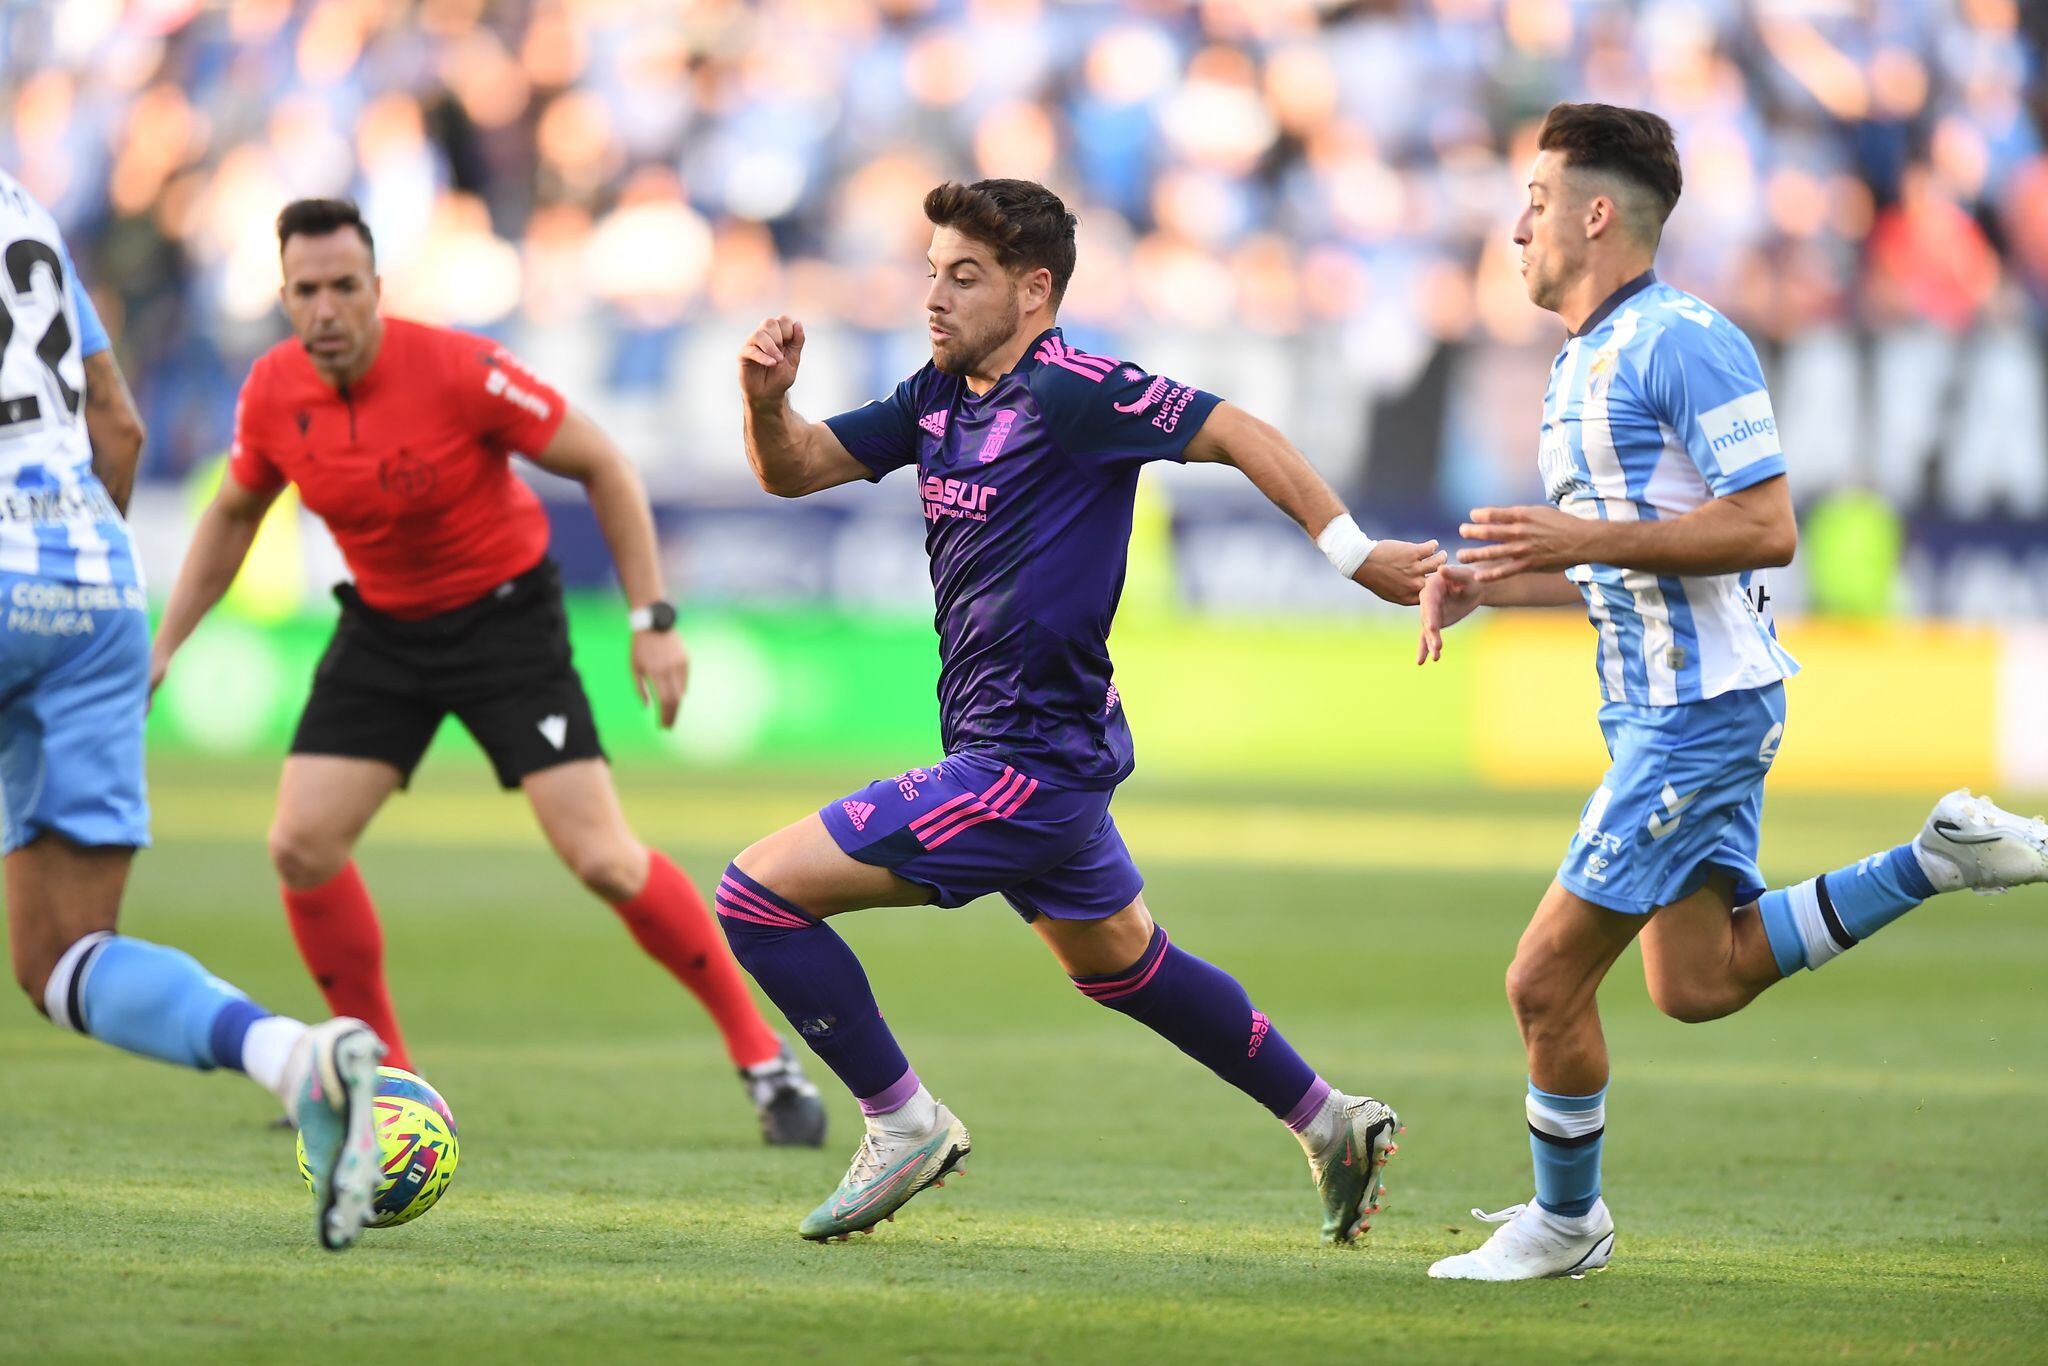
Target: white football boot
(1533, 1244)
(1971, 842)
(332, 1082)
(887, 1170)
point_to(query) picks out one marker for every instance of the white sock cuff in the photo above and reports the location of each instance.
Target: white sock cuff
(914, 1116)
(267, 1051)
(1820, 946)
(64, 993)
(1548, 1119)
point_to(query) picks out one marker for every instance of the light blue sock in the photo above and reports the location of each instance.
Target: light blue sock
(1810, 923)
(151, 1000)
(1565, 1134)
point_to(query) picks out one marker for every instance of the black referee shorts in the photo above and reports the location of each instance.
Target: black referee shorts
(501, 664)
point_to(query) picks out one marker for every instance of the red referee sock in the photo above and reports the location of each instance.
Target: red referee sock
(669, 920)
(343, 946)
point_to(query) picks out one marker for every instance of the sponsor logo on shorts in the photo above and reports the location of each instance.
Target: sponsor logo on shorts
(1674, 807)
(909, 783)
(1767, 752)
(1261, 1027)
(555, 730)
(1109, 702)
(957, 498)
(1604, 848)
(858, 813)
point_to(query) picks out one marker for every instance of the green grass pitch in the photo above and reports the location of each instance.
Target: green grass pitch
(1856, 1168)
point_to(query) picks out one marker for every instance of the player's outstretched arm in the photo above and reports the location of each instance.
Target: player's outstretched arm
(1394, 570)
(220, 543)
(581, 450)
(113, 426)
(1752, 528)
(791, 457)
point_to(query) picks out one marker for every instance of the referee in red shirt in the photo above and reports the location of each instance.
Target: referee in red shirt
(399, 437)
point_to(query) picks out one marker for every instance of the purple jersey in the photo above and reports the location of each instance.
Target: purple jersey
(1027, 496)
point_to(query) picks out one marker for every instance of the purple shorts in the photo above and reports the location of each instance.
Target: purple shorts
(970, 825)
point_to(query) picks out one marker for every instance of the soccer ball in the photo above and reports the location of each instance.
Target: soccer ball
(417, 1131)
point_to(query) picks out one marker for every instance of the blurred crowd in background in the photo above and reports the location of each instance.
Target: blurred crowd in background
(1304, 204)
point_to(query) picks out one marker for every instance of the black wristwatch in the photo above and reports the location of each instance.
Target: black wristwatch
(655, 616)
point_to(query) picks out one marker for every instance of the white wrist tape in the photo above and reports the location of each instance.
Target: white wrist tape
(1344, 545)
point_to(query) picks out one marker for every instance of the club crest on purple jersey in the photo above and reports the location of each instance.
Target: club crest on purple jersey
(998, 433)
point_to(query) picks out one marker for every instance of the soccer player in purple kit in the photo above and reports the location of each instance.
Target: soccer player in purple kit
(1027, 453)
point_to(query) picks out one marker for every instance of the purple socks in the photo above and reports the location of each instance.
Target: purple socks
(817, 983)
(1202, 1011)
(815, 980)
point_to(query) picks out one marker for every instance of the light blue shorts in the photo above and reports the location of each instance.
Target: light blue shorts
(1684, 795)
(74, 692)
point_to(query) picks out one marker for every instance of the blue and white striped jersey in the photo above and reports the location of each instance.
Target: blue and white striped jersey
(56, 520)
(1654, 408)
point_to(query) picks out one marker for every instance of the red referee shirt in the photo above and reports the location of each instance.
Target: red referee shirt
(409, 466)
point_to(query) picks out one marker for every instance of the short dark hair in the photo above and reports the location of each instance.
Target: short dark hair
(1027, 224)
(318, 217)
(1633, 144)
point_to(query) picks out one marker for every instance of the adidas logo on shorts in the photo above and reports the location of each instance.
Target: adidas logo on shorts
(858, 813)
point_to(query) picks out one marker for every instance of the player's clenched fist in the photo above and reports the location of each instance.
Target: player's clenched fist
(1396, 570)
(768, 359)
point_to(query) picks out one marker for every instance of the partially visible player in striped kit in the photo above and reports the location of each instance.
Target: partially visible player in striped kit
(74, 689)
(1661, 460)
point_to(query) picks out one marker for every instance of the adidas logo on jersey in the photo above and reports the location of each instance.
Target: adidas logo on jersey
(858, 813)
(935, 423)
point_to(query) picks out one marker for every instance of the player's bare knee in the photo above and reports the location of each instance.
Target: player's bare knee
(614, 870)
(1531, 992)
(303, 859)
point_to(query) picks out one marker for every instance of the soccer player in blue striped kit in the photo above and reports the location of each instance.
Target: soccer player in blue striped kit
(1027, 452)
(74, 690)
(1661, 461)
